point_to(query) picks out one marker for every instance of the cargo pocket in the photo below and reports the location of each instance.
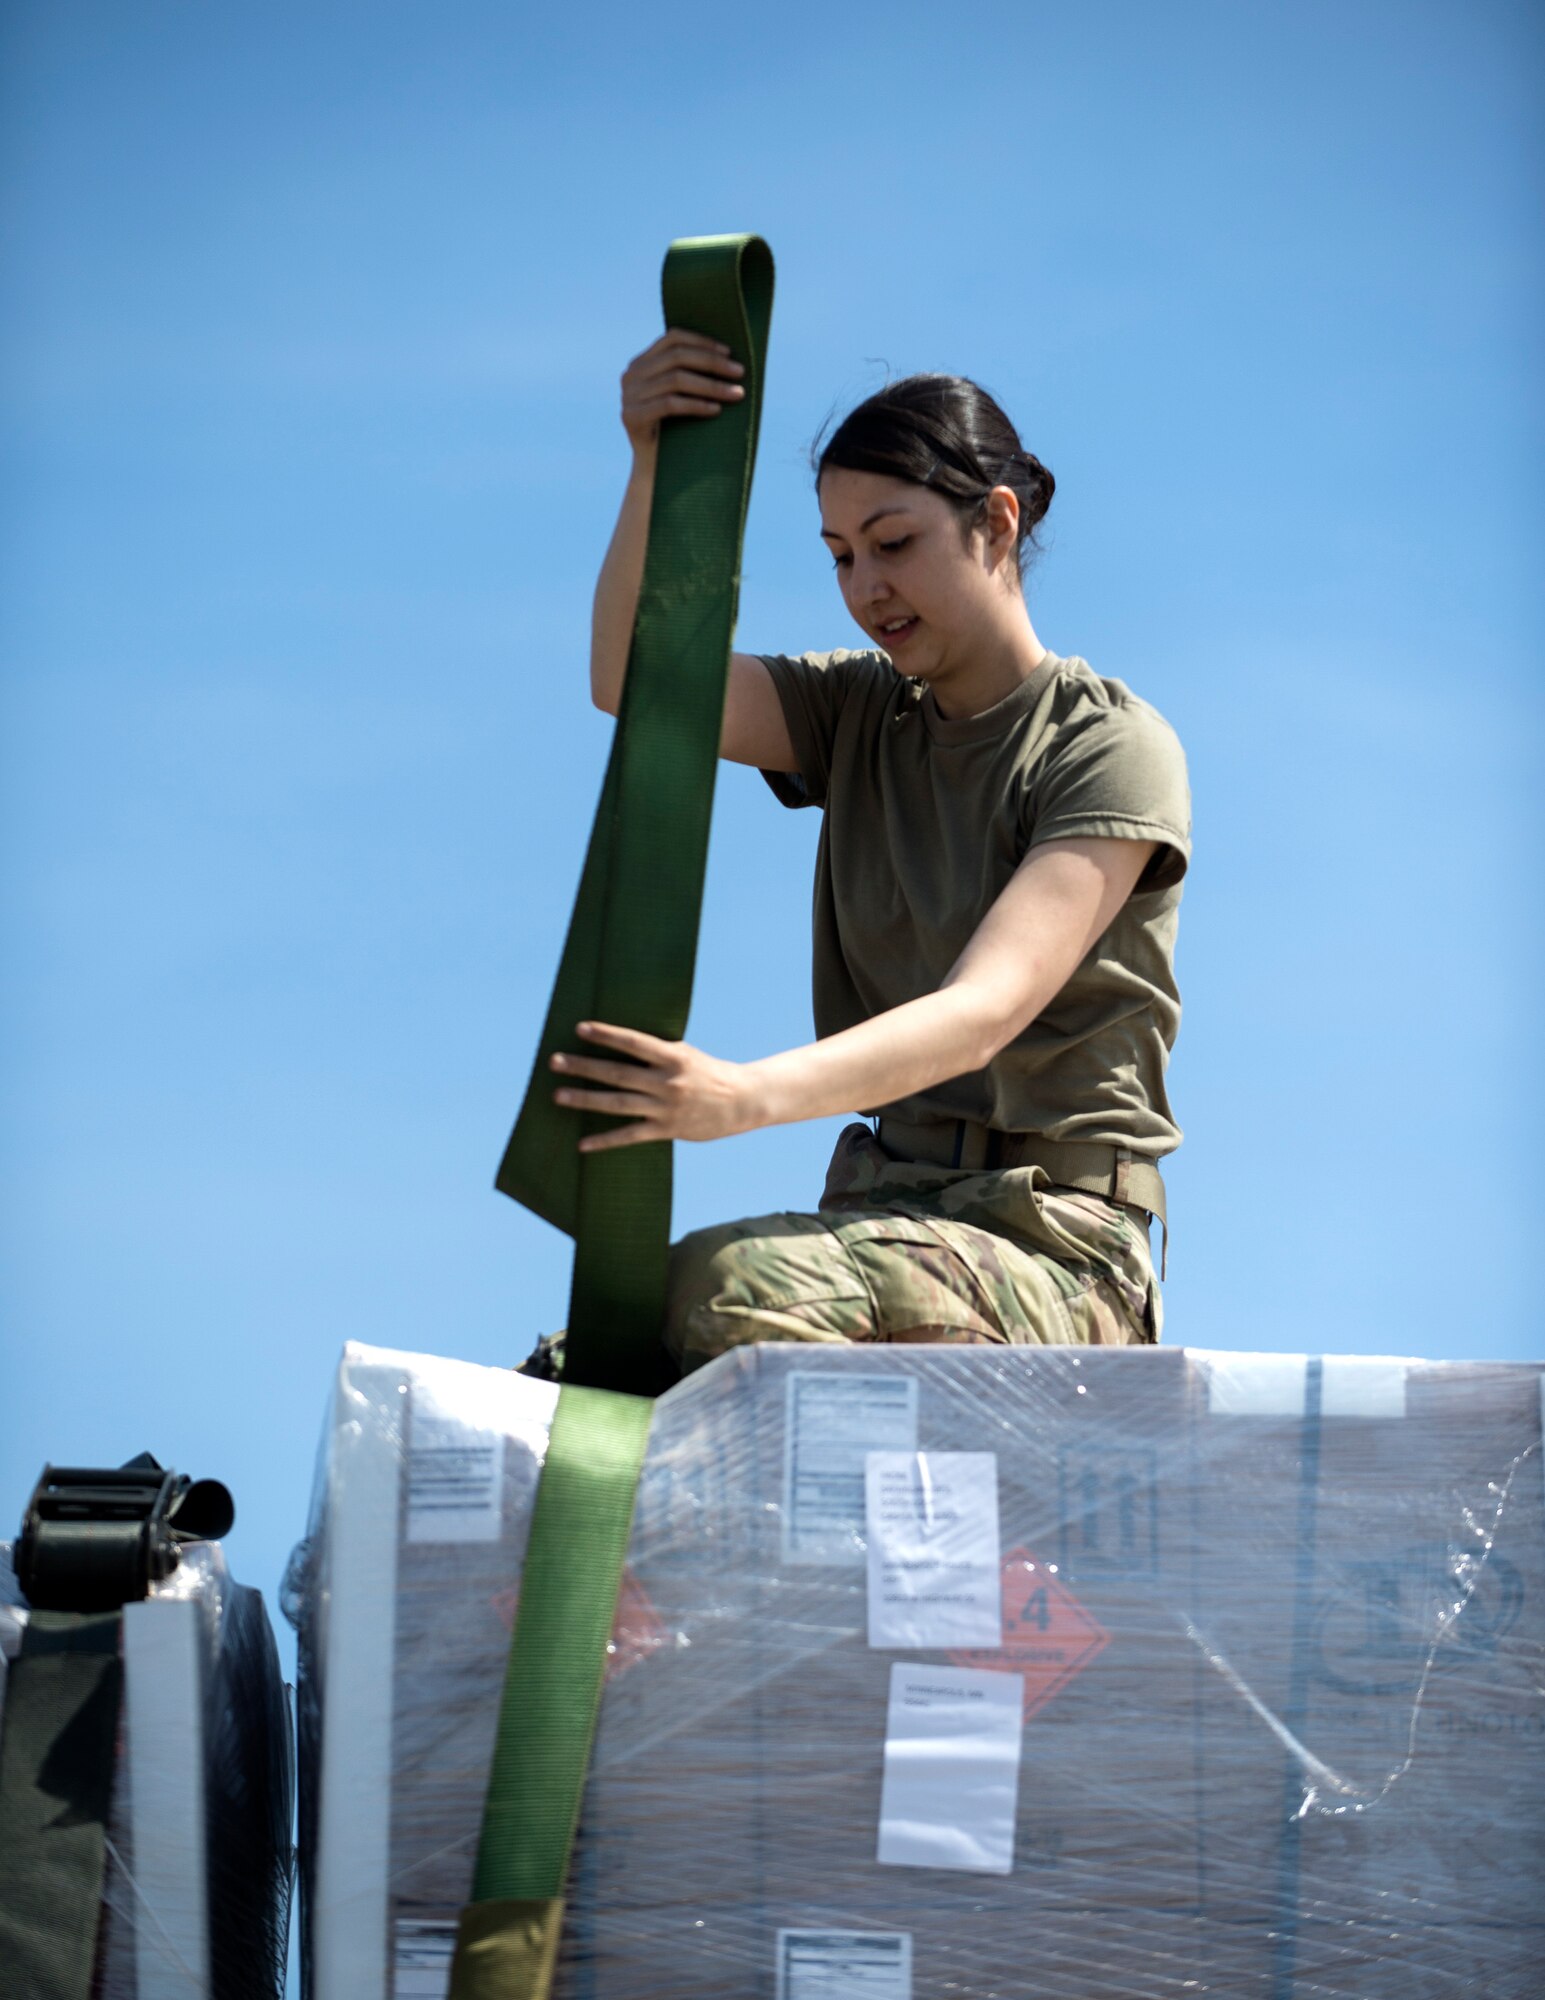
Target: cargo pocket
(921, 1285)
(766, 1277)
(1114, 1249)
(935, 1280)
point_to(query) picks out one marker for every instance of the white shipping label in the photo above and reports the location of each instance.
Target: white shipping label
(455, 1475)
(831, 1423)
(934, 1576)
(422, 1954)
(951, 1786)
(844, 1965)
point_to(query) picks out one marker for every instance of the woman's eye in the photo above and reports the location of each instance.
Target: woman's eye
(895, 547)
(841, 562)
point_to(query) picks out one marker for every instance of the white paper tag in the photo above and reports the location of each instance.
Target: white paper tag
(421, 1958)
(831, 1423)
(934, 1576)
(844, 1965)
(951, 1787)
(455, 1475)
(1358, 1385)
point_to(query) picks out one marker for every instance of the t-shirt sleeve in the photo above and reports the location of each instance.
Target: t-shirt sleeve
(813, 688)
(1120, 774)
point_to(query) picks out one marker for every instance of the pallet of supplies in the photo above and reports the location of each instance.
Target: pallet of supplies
(1093, 1674)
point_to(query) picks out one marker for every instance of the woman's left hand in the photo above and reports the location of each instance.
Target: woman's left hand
(671, 1090)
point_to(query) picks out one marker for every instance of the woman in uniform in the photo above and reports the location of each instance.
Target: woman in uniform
(998, 880)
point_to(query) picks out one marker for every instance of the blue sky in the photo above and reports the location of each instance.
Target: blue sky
(311, 325)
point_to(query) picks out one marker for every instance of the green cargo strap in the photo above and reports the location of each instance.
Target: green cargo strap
(628, 958)
(508, 1938)
(632, 940)
(56, 1773)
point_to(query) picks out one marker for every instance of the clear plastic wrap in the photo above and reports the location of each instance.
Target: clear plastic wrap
(1259, 1698)
(196, 1887)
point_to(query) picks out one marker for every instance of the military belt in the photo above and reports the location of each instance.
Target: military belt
(1112, 1171)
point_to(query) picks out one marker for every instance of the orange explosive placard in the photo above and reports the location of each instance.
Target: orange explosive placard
(1048, 1636)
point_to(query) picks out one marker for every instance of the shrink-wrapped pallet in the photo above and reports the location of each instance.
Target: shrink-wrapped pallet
(196, 1882)
(960, 1671)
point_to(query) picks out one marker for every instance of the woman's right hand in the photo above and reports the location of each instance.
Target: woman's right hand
(681, 375)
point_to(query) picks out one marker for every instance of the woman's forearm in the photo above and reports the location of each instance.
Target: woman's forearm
(892, 1055)
(680, 375)
(670, 1090)
(617, 587)
(1060, 900)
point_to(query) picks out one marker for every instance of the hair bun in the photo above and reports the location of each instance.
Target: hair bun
(947, 433)
(1041, 486)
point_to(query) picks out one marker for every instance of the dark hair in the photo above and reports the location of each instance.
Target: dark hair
(946, 433)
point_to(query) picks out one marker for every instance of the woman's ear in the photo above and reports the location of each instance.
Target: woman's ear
(1000, 522)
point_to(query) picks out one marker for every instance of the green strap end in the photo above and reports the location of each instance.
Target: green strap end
(507, 1949)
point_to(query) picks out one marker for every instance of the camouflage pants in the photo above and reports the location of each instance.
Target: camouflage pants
(908, 1251)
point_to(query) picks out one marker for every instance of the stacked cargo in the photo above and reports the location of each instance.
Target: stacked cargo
(969, 1671)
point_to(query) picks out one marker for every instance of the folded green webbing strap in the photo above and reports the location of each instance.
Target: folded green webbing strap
(508, 1936)
(632, 940)
(628, 959)
(56, 1770)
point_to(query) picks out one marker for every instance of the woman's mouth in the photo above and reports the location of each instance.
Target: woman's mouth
(895, 631)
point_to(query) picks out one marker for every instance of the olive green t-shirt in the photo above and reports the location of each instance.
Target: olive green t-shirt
(925, 820)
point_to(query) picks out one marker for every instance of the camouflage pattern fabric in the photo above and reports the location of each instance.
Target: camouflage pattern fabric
(902, 1250)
